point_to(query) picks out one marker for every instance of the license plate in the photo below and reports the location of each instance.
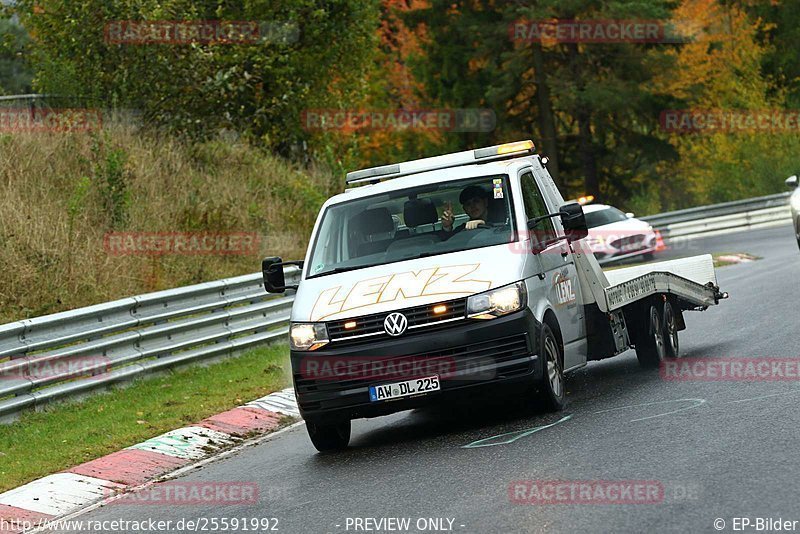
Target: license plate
(405, 388)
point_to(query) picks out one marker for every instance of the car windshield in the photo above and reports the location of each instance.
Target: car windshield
(604, 216)
(406, 224)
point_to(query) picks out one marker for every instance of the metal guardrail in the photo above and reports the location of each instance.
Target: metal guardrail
(36, 101)
(70, 353)
(739, 214)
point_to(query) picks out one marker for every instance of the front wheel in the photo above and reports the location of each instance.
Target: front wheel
(650, 349)
(550, 386)
(329, 438)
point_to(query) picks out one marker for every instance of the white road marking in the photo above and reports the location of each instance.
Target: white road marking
(697, 402)
(191, 442)
(282, 401)
(764, 397)
(59, 494)
(516, 435)
(180, 472)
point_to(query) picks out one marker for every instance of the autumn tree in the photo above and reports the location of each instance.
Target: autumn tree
(590, 106)
(721, 72)
(317, 57)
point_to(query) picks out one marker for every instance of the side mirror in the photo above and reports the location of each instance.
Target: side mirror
(629, 215)
(791, 182)
(272, 271)
(573, 221)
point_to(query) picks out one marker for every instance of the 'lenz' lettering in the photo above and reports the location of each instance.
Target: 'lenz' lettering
(450, 281)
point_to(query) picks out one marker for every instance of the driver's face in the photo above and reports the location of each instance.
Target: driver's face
(475, 207)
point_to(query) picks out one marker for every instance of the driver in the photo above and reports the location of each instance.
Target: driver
(475, 201)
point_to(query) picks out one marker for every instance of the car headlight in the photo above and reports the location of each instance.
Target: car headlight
(497, 302)
(308, 336)
(596, 241)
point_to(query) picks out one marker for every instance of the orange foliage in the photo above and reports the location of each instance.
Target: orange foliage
(719, 67)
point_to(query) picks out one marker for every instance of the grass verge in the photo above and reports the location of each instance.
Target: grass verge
(61, 194)
(734, 258)
(68, 434)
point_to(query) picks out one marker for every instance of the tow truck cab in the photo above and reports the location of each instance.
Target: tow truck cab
(395, 308)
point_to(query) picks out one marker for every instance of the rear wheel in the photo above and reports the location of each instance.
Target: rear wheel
(670, 327)
(650, 349)
(328, 438)
(550, 386)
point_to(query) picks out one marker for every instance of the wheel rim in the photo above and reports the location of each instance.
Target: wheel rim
(672, 329)
(655, 331)
(553, 367)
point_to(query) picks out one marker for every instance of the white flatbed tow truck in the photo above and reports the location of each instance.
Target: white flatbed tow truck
(465, 271)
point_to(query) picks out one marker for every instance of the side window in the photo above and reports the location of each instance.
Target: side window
(536, 207)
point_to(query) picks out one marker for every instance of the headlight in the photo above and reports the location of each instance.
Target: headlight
(497, 302)
(596, 241)
(308, 336)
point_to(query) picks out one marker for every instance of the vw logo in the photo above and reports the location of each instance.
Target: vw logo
(395, 324)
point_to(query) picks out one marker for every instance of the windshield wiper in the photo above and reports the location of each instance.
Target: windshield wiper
(423, 255)
(337, 270)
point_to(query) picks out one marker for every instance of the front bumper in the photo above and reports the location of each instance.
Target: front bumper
(606, 252)
(611, 254)
(474, 353)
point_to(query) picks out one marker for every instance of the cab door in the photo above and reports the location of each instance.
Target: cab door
(557, 266)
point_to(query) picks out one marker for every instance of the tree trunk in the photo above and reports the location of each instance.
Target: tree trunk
(584, 117)
(547, 123)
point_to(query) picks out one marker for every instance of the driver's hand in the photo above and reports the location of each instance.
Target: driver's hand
(471, 225)
(448, 217)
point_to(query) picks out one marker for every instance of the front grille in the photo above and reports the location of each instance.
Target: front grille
(629, 241)
(417, 316)
(466, 358)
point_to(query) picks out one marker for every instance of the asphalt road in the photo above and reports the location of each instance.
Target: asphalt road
(718, 449)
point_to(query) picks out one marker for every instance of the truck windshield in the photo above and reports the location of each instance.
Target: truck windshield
(412, 223)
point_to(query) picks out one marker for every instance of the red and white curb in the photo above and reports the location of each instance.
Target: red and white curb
(67, 492)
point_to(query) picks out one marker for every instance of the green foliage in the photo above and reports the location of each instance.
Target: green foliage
(111, 177)
(75, 206)
(593, 108)
(471, 61)
(15, 73)
(781, 31)
(646, 201)
(78, 198)
(257, 88)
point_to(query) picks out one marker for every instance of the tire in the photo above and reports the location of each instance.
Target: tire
(649, 256)
(550, 391)
(797, 231)
(329, 438)
(672, 347)
(650, 348)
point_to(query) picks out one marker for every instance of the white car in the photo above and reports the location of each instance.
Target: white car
(614, 235)
(794, 201)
